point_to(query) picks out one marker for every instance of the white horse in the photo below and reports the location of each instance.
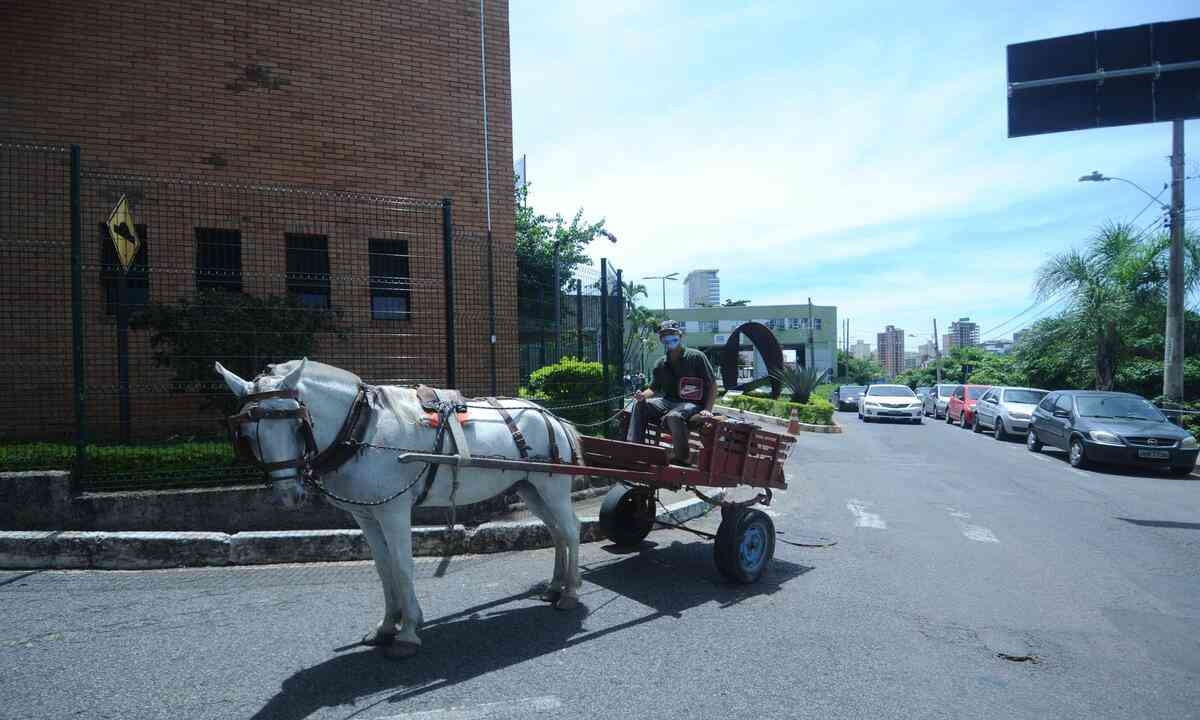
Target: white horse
(329, 394)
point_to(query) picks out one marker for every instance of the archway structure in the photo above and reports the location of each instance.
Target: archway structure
(767, 345)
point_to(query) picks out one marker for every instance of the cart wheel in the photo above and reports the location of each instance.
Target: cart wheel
(627, 514)
(745, 544)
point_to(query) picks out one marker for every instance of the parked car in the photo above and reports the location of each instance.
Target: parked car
(846, 397)
(937, 399)
(892, 402)
(922, 391)
(1006, 410)
(1111, 427)
(961, 408)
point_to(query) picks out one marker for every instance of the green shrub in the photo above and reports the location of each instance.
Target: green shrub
(157, 460)
(572, 382)
(817, 411)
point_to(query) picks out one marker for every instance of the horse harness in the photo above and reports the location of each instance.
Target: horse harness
(447, 410)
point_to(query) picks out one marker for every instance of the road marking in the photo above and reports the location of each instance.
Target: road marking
(978, 533)
(862, 518)
(522, 708)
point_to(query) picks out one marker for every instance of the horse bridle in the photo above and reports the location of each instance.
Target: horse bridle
(252, 412)
(314, 461)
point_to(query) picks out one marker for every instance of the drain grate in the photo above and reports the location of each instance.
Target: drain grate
(1019, 658)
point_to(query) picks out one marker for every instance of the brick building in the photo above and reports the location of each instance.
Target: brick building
(891, 351)
(272, 148)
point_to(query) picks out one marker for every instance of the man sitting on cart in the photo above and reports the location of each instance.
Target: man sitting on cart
(681, 386)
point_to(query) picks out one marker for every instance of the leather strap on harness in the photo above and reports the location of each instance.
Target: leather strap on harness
(518, 436)
(349, 436)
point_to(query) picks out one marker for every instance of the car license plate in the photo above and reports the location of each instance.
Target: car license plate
(1154, 454)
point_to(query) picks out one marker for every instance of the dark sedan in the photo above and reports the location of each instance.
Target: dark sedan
(1110, 427)
(846, 397)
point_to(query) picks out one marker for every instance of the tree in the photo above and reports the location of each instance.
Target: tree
(537, 235)
(856, 370)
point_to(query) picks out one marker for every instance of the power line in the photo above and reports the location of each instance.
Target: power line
(991, 331)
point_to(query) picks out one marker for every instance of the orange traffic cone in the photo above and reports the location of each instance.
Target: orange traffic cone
(794, 423)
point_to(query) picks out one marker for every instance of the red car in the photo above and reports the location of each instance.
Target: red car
(961, 407)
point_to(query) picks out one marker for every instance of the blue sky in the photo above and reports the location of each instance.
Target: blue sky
(855, 154)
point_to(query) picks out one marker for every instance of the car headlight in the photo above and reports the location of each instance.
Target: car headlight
(870, 403)
(1104, 437)
(915, 404)
(1189, 443)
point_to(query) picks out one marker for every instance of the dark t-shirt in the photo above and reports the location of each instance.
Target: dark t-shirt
(691, 364)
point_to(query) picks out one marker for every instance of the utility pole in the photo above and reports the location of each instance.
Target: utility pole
(937, 353)
(1173, 347)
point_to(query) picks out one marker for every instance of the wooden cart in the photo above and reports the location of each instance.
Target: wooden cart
(726, 453)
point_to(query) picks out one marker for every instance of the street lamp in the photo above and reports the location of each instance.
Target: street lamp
(664, 278)
(1173, 336)
(558, 290)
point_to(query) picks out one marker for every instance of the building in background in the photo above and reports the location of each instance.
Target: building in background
(861, 351)
(891, 350)
(925, 353)
(963, 333)
(1018, 336)
(1000, 347)
(701, 288)
(708, 329)
(911, 360)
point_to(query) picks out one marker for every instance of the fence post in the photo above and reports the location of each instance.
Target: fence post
(604, 329)
(448, 278)
(491, 276)
(619, 327)
(579, 318)
(77, 315)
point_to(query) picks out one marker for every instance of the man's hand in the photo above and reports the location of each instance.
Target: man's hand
(639, 395)
(705, 414)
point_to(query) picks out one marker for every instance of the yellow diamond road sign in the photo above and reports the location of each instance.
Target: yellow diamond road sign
(123, 233)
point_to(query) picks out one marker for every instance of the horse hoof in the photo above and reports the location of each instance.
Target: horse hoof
(376, 639)
(401, 649)
(566, 602)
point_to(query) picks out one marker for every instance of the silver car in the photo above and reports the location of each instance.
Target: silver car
(1007, 410)
(936, 400)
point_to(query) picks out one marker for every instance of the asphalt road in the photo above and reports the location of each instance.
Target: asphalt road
(952, 548)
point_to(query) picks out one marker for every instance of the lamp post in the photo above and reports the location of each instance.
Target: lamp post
(664, 278)
(1173, 335)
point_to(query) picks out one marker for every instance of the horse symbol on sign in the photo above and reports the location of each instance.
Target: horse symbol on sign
(123, 233)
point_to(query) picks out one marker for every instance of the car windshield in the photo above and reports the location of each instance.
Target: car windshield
(1117, 406)
(975, 392)
(1029, 397)
(890, 391)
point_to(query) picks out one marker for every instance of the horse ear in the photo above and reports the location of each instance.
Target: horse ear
(239, 386)
(293, 378)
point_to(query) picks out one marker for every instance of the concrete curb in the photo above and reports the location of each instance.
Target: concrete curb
(772, 420)
(84, 550)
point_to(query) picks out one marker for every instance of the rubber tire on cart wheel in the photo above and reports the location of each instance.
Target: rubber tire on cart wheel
(745, 544)
(627, 515)
(1076, 455)
(1032, 444)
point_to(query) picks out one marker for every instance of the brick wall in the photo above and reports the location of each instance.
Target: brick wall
(364, 95)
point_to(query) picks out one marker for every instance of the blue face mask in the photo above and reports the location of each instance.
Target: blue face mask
(670, 342)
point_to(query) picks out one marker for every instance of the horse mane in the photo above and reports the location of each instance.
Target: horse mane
(313, 370)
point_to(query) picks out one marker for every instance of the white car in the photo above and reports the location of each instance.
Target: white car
(890, 402)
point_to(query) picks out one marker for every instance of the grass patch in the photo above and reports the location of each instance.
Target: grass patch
(159, 460)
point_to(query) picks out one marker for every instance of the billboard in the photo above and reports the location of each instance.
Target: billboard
(1105, 78)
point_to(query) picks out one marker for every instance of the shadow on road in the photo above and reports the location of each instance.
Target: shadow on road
(508, 631)
(1163, 524)
(1130, 471)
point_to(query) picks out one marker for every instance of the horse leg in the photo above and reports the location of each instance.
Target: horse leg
(385, 632)
(397, 527)
(533, 501)
(555, 494)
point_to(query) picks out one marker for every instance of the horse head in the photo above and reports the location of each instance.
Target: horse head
(269, 430)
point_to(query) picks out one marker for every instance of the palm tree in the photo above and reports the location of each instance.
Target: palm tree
(1102, 285)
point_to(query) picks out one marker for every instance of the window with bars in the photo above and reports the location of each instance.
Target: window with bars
(137, 281)
(389, 279)
(308, 269)
(218, 259)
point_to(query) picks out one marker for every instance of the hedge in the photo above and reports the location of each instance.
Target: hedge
(817, 411)
(119, 460)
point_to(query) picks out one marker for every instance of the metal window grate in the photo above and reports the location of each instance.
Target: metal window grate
(308, 269)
